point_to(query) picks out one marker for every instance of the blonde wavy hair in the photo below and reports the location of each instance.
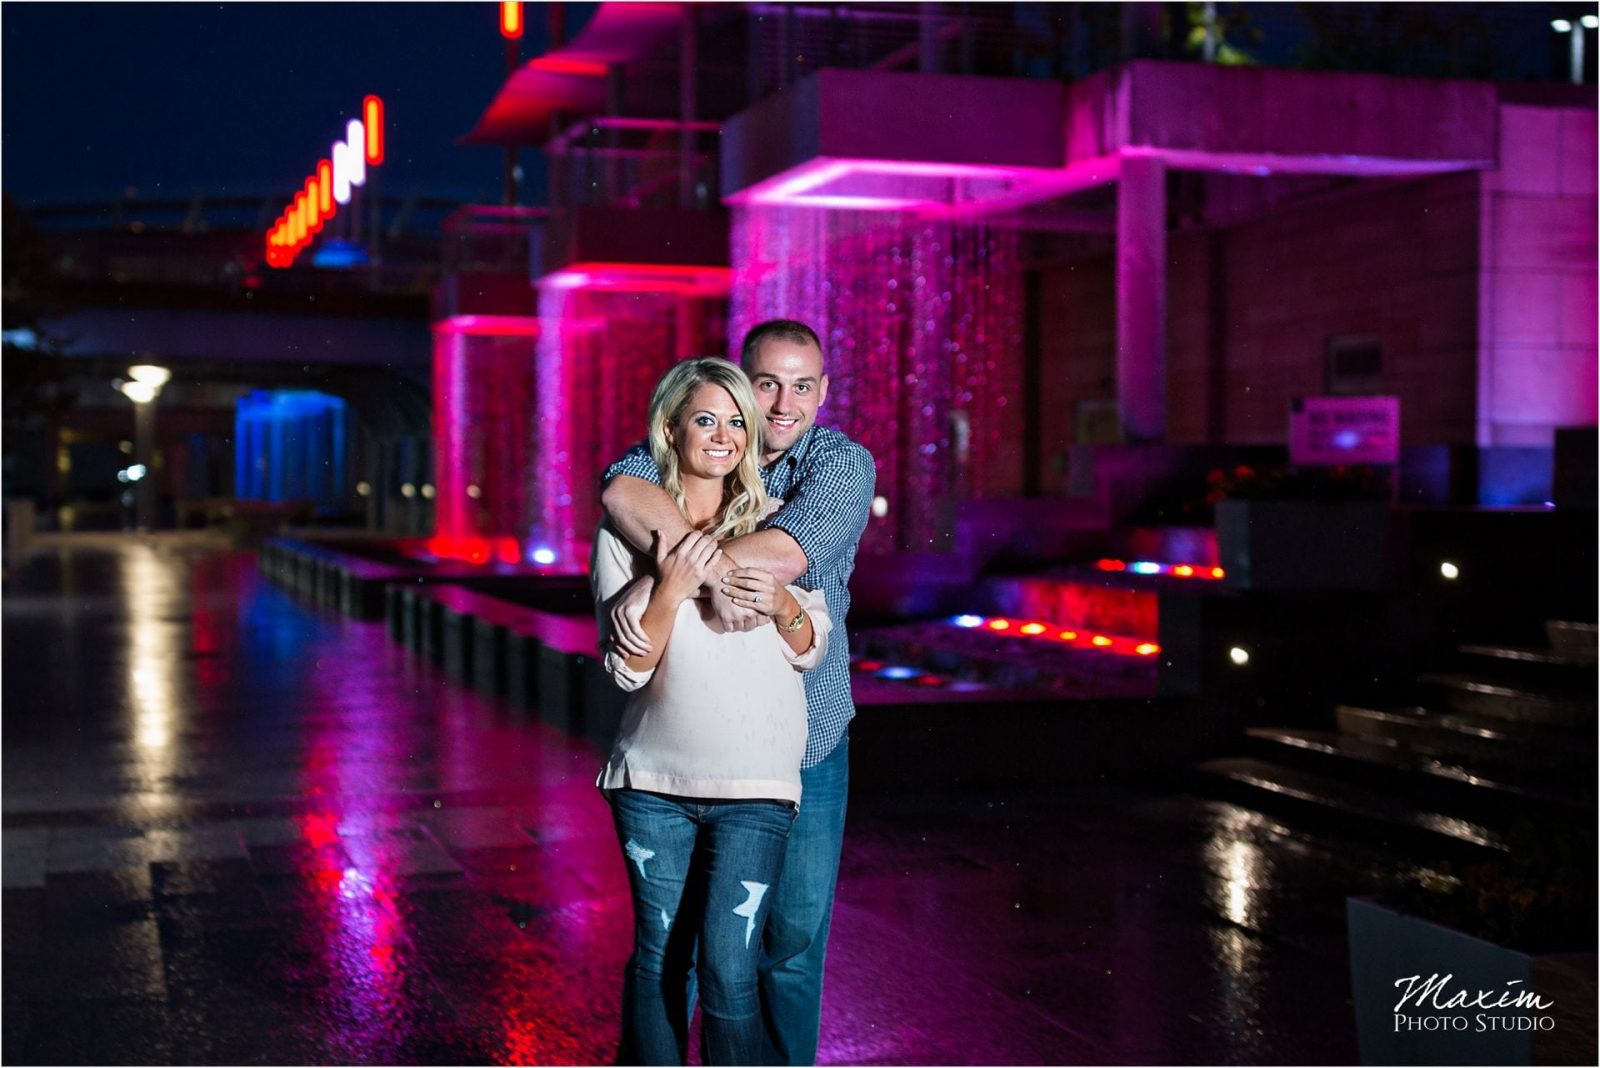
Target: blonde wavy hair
(744, 498)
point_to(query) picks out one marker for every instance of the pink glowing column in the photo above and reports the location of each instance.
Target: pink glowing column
(922, 322)
(482, 420)
(601, 352)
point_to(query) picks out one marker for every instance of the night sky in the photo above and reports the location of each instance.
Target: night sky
(243, 99)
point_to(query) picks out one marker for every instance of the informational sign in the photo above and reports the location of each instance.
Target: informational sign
(1344, 430)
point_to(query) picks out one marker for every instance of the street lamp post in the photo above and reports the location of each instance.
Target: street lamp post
(1575, 29)
(143, 387)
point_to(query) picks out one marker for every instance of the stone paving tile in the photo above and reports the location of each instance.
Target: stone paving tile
(341, 856)
(477, 828)
(265, 831)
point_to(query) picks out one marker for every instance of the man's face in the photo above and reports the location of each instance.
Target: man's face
(790, 387)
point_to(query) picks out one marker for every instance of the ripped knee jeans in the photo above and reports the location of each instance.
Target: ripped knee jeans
(700, 871)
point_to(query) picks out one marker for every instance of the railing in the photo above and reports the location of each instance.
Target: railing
(494, 239)
(635, 162)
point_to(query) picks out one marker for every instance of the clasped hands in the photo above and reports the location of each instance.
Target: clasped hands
(743, 598)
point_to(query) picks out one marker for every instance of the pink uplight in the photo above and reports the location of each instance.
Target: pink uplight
(898, 185)
(489, 325)
(483, 369)
(603, 348)
(641, 278)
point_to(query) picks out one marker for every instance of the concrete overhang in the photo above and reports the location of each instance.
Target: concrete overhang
(1255, 120)
(889, 140)
(957, 145)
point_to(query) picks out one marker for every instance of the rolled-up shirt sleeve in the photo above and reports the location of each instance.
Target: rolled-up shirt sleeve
(636, 462)
(612, 565)
(827, 510)
(816, 606)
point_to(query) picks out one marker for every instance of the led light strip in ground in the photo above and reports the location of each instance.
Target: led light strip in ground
(1148, 567)
(1078, 638)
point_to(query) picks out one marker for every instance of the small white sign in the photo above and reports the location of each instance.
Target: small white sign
(1344, 430)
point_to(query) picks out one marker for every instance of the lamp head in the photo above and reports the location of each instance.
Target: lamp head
(151, 375)
(138, 392)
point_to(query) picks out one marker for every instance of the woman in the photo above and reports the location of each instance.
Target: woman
(704, 779)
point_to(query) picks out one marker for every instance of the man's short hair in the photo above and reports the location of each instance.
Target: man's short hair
(791, 330)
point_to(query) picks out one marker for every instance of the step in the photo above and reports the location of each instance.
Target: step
(1474, 696)
(1492, 792)
(1523, 655)
(1321, 796)
(1578, 639)
(1542, 669)
(1452, 736)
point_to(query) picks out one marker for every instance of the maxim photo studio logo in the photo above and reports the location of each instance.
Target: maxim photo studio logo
(1434, 1004)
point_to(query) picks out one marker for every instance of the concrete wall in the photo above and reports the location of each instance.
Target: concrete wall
(1250, 309)
(1077, 352)
(1537, 310)
(1480, 287)
(1393, 260)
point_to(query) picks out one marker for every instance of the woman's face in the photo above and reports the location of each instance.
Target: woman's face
(710, 434)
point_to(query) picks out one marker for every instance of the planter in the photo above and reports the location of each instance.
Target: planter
(1302, 545)
(1452, 1023)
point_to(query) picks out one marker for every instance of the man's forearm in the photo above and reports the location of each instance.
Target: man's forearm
(769, 550)
(636, 507)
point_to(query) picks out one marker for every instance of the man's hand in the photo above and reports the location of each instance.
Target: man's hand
(627, 617)
(733, 617)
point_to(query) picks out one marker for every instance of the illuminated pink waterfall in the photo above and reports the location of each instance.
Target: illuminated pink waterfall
(922, 321)
(601, 351)
(482, 420)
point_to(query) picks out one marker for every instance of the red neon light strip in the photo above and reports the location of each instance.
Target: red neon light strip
(314, 204)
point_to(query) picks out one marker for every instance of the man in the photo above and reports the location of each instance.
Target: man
(826, 482)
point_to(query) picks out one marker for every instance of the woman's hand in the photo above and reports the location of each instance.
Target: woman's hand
(687, 566)
(760, 591)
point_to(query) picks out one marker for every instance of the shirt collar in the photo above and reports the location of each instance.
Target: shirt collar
(797, 451)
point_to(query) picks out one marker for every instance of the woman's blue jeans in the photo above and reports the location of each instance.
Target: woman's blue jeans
(696, 867)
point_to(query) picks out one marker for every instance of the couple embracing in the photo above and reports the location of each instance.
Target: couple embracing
(721, 583)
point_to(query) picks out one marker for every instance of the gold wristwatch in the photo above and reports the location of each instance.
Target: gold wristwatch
(795, 623)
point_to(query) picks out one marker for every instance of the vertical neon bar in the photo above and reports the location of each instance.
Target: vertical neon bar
(325, 188)
(372, 121)
(510, 19)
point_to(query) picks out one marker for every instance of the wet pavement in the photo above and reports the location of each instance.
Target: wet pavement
(239, 829)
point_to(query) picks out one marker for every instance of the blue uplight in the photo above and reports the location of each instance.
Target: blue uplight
(1145, 567)
(290, 445)
(895, 671)
(968, 621)
(339, 254)
(542, 555)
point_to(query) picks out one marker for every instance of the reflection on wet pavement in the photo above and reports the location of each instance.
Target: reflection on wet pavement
(238, 829)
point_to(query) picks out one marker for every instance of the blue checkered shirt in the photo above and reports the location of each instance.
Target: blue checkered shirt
(825, 482)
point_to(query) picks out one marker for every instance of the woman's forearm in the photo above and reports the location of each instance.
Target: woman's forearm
(657, 622)
(799, 639)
